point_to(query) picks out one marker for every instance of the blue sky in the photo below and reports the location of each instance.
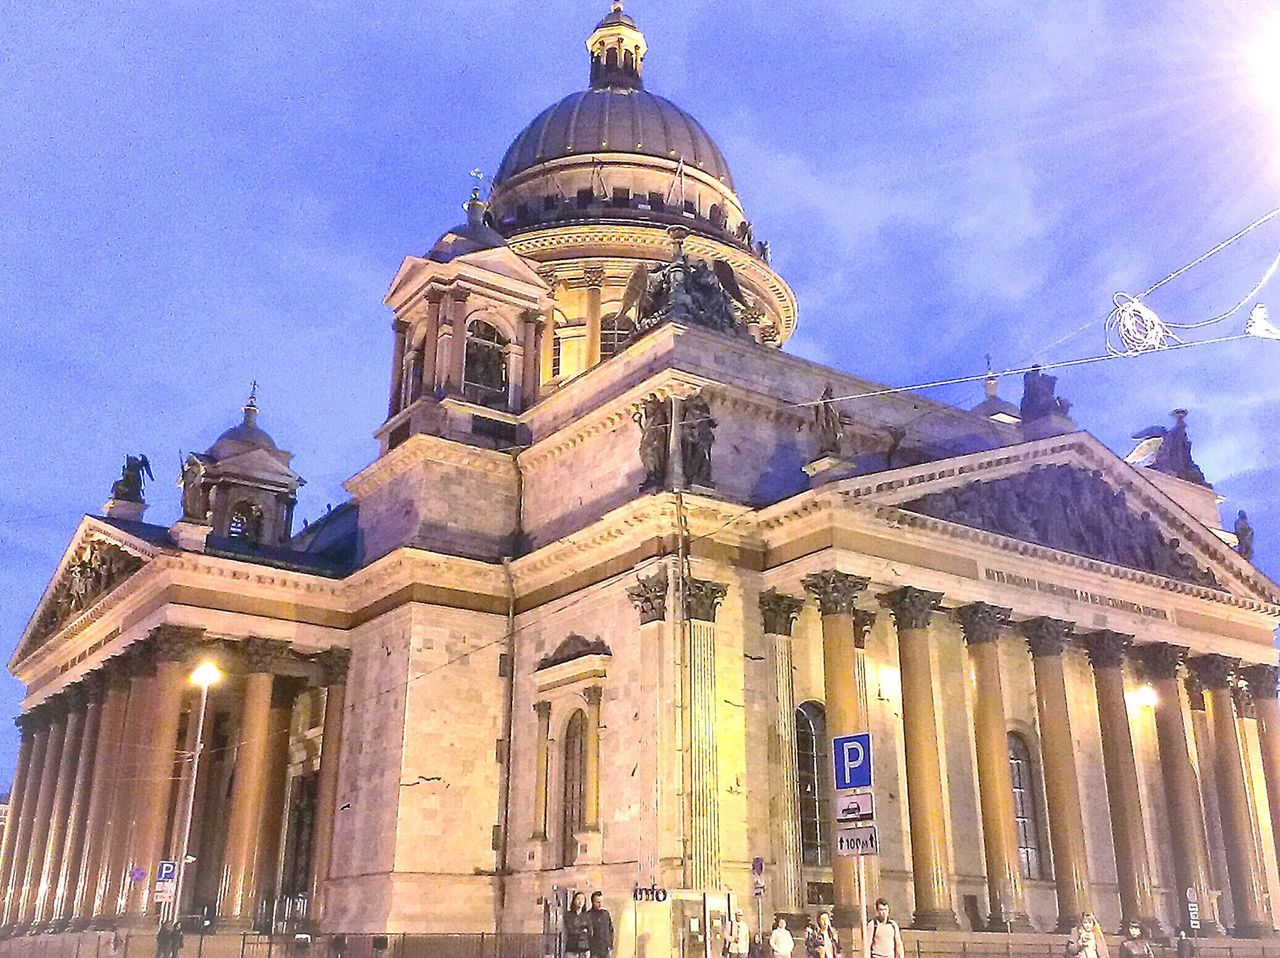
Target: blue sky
(198, 194)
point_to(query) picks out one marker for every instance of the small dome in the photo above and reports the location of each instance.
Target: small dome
(616, 17)
(614, 121)
(242, 438)
(469, 237)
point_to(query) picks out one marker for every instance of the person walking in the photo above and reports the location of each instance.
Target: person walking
(737, 937)
(882, 938)
(577, 927)
(163, 947)
(601, 927)
(822, 940)
(781, 944)
(1086, 939)
(1135, 944)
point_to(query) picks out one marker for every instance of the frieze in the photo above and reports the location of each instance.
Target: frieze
(95, 569)
(1068, 509)
(1079, 595)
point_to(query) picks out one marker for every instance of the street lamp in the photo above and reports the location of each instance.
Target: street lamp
(204, 675)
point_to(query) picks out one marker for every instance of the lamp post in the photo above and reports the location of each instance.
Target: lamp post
(205, 674)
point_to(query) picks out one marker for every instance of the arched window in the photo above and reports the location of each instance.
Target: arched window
(811, 776)
(485, 372)
(1025, 810)
(575, 777)
(611, 58)
(614, 335)
(245, 522)
(629, 61)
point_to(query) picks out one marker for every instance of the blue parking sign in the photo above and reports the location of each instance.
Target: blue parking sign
(166, 871)
(851, 757)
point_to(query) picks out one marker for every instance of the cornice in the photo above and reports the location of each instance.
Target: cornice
(421, 447)
(411, 566)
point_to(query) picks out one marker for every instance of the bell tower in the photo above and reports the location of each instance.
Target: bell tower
(617, 49)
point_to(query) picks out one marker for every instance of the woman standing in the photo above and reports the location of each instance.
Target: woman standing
(577, 927)
(1086, 939)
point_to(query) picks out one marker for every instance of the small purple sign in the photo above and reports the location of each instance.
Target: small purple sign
(138, 874)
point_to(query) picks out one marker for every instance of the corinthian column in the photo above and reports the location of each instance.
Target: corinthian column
(38, 848)
(701, 601)
(172, 646)
(1128, 832)
(17, 831)
(77, 698)
(90, 883)
(981, 624)
(594, 276)
(77, 812)
(431, 341)
(458, 343)
(836, 593)
(1047, 639)
(930, 860)
(1247, 891)
(237, 894)
(779, 613)
(1185, 814)
(1262, 681)
(335, 663)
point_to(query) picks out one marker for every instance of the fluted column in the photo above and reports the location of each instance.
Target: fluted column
(39, 844)
(1184, 812)
(778, 613)
(1128, 830)
(594, 277)
(981, 624)
(431, 341)
(930, 860)
(541, 755)
(89, 884)
(1248, 895)
(836, 593)
(1047, 639)
(702, 599)
(530, 380)
(77, 699)
(172, 647)
(238, 889)
(74, 840)
(30, 756)
(400, 329)
(458, 342)
(1262, 681)
(335, 664)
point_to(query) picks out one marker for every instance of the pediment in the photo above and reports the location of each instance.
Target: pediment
(1070, 494)
(502, 262)
(100, 558)
(258, 464)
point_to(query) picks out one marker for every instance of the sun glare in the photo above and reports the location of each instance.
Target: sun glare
(1264, 64)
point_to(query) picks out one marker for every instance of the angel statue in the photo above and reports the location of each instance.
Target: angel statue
(637, 296)
(1167, 450)
(195, 498)
(826, 419)
(128, 488)
(1244, 536)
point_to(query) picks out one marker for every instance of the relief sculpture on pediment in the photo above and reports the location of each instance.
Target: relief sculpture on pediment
(1069, 509)
(96, 568)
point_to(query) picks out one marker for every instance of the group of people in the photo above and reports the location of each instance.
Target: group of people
(169, 939)
(588, 931)
(1087, 941)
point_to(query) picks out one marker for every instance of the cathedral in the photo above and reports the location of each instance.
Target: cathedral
(622, 576)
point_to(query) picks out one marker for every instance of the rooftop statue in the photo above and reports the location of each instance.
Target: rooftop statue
(128, 488)
(1039, 396)
(697, 435)
(1167, 450)
(692, 292)
(1244, 536)
(654, 419)
(826, 419)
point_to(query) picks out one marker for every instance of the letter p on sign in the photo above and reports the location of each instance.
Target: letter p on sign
(852, 761)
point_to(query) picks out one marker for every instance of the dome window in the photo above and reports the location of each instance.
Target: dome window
(621, 197)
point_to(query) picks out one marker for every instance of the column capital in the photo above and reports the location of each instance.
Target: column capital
(116, 672)
(138, 660)
(702, 598)
(649, 595)
(173, 643)
(1107, 649)
(434, 294)
(459, 294)
(1160, 660)
(259, 654)
(77, 696)
(779, 612)
(593, 694)
(981, 623)
(1046, 636)
(863, 621)
(836, 592)
(912, 608)
(1213, 671)
(543, 709)
(334, 663)
(95, 683)
(1262, 680)
(593, 276)
(31, 721)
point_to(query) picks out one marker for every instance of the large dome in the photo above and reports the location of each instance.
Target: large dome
(615, 120)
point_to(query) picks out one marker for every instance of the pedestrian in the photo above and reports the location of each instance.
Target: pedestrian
(882, 938)
(737, 937)
(163, 948)
(1135, 945)
(176, 942)
(577, 927)
(822, 940)
(781, 944)
(1186, 947)
(1086, 939)
(601, 927)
